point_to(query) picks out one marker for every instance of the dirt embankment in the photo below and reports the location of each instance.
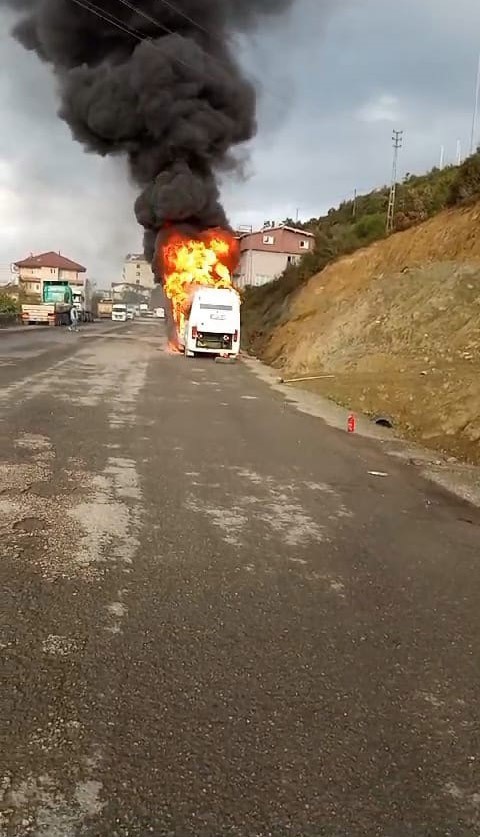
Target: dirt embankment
(398, 325)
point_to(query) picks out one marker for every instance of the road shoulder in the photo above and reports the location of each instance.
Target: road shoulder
(461, 479)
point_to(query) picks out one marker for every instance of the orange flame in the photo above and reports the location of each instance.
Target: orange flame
(188, 263)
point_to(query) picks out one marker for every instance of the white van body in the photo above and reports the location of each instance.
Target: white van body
(119, 313)
(213, 324)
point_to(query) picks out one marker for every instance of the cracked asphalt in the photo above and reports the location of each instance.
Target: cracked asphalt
(213, 620)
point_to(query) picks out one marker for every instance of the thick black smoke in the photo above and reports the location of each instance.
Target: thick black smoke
(157, 81)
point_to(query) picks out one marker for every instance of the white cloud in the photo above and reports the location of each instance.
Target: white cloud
(382, 108)
(9, 203)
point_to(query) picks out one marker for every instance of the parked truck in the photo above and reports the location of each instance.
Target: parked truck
(54, 308)
(83, 301)
(104, 309)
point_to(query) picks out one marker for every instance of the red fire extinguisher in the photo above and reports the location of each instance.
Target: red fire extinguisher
(351, 423)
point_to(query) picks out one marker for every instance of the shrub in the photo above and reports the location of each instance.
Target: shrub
(8, 305)
(466, 185)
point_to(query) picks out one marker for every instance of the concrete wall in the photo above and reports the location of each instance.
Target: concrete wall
(259, 267)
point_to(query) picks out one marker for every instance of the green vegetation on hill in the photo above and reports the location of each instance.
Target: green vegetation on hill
(8, 306)
(357, 224)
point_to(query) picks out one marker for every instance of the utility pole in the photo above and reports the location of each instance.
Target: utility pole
(397, 142)
(459, 152)
(354, 207)
(442, 157)
(473, 135)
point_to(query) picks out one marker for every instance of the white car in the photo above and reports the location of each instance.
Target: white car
(119, 313)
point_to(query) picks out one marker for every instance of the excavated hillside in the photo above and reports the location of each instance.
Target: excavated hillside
(397, 324)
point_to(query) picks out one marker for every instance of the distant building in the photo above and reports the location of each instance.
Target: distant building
(34, 270)
(137, 271)
(122, 291)
(265, 254)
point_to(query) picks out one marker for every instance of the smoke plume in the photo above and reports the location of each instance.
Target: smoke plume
(157, 81)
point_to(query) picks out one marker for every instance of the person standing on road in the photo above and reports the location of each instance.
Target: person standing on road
(73, 319)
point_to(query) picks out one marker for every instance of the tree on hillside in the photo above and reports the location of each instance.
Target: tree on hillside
(8, 305)
(466, 185)
(370, 228)
(411, 209)
(342, 231)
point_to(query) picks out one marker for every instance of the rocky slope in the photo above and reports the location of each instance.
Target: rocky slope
(397, 324)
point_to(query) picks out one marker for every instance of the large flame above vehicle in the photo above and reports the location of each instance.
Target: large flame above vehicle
(209, 259)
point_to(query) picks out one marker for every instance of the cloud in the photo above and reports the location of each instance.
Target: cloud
(331, 91)
(382, 108)
(378, 66)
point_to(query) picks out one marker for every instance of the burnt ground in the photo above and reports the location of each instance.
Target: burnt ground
(214, 621)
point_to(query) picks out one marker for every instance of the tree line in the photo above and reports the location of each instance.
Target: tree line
(358, 223)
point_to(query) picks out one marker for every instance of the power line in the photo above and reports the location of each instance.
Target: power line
(163, 26)
(114, 21)
(397, 142)
(147, 17)
(130, 30)
(276, 95)
(90, 7)
(187, 17)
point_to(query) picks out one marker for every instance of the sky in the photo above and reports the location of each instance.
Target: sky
(332, 86)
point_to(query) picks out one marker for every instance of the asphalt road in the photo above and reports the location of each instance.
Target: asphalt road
(213, 620)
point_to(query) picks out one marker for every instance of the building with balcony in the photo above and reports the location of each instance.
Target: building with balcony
(32, 271)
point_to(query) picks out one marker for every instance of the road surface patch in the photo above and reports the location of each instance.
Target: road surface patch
(59, 646)
(44, 811)
(274, 507)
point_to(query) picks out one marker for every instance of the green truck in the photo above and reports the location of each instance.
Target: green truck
(55, 307)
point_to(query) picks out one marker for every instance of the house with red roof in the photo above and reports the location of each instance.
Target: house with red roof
(265, 254)
(34, 270)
